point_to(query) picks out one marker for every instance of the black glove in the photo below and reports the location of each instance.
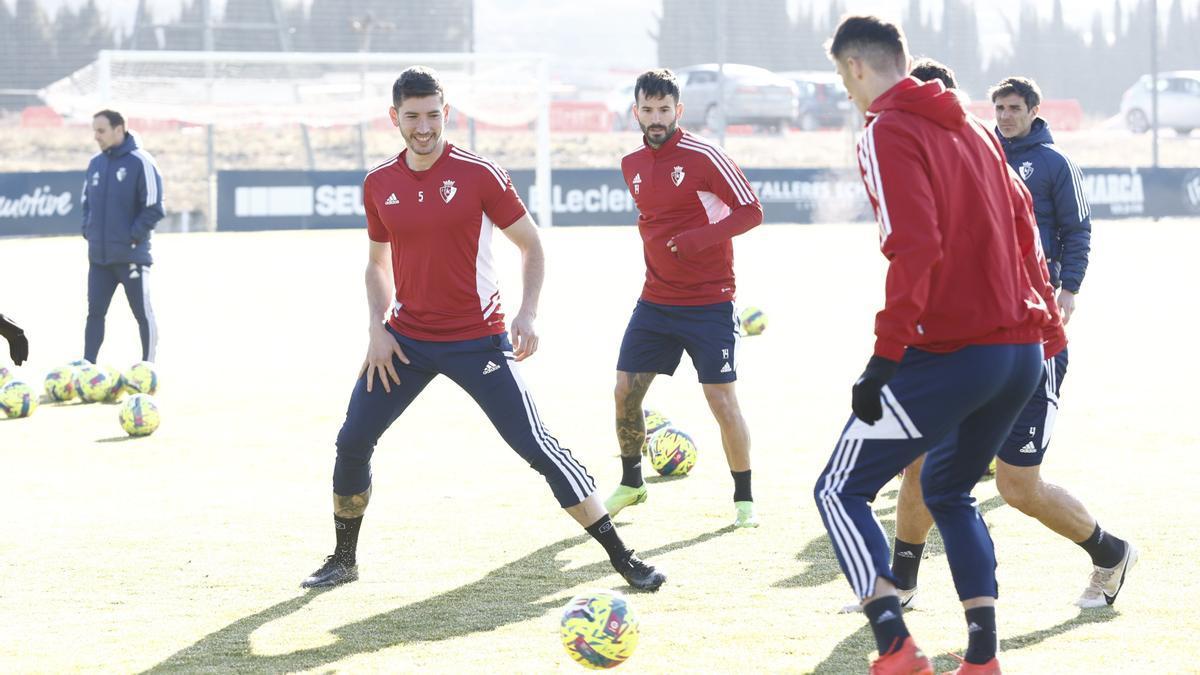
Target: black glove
(18, 345)
(864, 396)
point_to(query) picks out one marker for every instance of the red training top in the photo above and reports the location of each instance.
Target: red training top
(440, 223)
(940, 188)
(690, 191)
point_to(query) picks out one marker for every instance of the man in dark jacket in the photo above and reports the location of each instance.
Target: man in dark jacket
(122, 202)
(1059, 202)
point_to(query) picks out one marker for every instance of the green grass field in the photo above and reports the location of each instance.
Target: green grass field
(183, 551)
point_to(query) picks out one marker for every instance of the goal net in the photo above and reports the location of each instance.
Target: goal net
(499, 102)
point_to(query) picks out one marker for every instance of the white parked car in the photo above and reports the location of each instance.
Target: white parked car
(752, 95)
(1178, 102)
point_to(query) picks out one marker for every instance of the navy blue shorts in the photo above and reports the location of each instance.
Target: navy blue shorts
(658, 335)
(1030, 436)
(485, 369)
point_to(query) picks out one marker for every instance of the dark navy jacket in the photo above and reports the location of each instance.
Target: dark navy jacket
(122, 201)
(1059, 202)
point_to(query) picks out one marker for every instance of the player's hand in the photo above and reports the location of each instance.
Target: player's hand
(865, 395)
(682, 245)
(1066, 304)
(524, 338)
(18, 344)
(380, 350)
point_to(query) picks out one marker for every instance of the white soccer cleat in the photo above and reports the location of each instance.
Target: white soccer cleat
(744, 515)
(906, 601)
(1106, 582)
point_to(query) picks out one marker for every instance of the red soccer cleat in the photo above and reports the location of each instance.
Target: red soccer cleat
(907, 660)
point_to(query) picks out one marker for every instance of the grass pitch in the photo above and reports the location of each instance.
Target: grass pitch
(182, 552)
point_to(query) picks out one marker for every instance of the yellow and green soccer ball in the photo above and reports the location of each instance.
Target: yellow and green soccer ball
(6, 376)
(139, 415)
(599, 629)
(99, 384)
(141, 378)
(60, 384)
(17, 399)
(754, 321)
(672, 452)
(654, 422)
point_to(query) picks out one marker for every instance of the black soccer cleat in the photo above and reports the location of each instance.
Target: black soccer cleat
(638, 573)
(334, 572)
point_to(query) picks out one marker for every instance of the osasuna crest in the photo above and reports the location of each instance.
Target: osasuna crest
(1026, 170)
(448, 190)
(677, 176)
(120, 174)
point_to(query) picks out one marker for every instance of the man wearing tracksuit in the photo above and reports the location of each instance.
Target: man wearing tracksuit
(958, 342)
(122, 202)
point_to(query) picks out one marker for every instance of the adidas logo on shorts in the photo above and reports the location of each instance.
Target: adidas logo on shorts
(490, 368)
(726, 368)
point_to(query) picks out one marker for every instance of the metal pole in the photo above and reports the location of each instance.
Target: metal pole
(1154, 80)
(471, 71)
(210, 132)
(541, 173)
(719, 15)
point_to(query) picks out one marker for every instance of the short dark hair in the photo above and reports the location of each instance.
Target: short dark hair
(927, 70)
(657, 83)
(114, 118)
(1023, 86)
(876, 41)
(416, 82)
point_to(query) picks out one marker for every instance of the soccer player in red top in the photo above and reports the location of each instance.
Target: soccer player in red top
(958, 342)
(692, 201)
(434, 309)
(1018, 474)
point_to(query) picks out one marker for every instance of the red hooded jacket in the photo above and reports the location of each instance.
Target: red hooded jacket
(947, 214)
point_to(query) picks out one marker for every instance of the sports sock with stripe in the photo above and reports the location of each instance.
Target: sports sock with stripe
(1105, 549)
(631, 471)
(906, 561)
(887, 623)
(981, 635)
(346, 531)
(605, 532)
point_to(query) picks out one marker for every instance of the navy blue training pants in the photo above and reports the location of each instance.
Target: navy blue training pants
(102, 283)
(485, 369)
(976, 392)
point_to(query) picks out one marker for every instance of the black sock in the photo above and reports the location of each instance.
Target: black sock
(346, 530)
(1105, 549)
(981, 635)
(887, 623)
(741, 486)
(605, 532)
(631, 471)
(906, 561)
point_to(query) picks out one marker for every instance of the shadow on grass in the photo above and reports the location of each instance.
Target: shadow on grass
(823, 565)
(664, 479)
(853, 652)
(508, 594)
(116, 439)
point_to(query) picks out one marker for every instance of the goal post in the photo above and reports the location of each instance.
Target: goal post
(507, 93)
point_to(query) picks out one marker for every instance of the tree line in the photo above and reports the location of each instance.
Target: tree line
(1092, 65)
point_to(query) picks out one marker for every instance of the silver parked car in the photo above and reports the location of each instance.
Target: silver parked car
(752, 95)
(1178, 102)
